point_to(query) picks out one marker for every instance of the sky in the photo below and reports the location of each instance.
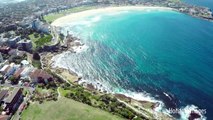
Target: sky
(10, 1)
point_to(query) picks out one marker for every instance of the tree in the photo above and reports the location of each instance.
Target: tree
(36, 56)
(36, 35)
(13, 80)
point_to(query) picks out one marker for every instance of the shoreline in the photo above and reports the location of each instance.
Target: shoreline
(60, 22)
(141, 100)
(147, 108)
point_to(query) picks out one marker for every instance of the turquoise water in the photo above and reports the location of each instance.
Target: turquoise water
(156, 52)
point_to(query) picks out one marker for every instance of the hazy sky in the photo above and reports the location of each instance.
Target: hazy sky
(10, 1)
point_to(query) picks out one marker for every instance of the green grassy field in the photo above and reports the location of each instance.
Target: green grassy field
(65, 109)
(36, 63)
(38, 41)
(51, 17)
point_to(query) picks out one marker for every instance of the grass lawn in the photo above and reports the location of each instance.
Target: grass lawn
(36, 63)
(65, 109)
(63, 92)
(38, 41)
(51, 17)
(32, 37)
(42, 41)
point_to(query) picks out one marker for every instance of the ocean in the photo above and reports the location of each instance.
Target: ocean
(151, 55)
(205, 3)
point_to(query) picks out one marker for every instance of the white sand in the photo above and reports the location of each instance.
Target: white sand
(75, 16)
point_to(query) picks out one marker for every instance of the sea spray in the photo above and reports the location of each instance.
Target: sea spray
(134, 54)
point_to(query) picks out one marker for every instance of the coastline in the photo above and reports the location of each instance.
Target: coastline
(60, 22)
(150, 109)
(139, 102)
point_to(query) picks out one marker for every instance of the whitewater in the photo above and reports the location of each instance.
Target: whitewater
(147, 53)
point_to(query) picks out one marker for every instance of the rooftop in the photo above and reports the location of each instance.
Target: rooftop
(2, 94)
(40, 73)
(10, 98)
(18, 72)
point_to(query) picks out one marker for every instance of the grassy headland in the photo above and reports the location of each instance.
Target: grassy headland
(65, 109)
(39, 41)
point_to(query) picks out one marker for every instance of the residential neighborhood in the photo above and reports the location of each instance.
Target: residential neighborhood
(17, 74)
(40, 61)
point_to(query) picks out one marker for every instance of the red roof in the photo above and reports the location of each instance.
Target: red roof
(18, 72)
(40, 73)
(4, 117)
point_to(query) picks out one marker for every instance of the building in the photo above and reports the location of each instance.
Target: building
(15, 52)
(4, 69)
(13, 100)
(25, 63)
(3, 41)
(17, 73)
(4, 49)
(26, 72)
(11, 70)
(40, 26)
(12, 42)
(4, 117)
(25, 45)
(3, 93)
(40, 76)
(26, 22)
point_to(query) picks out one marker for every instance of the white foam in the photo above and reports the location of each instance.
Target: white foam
(117, 13)
(143, 96)
(186, 111)
(96, 19)
(79, 49)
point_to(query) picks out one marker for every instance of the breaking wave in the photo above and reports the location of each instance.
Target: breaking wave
(114, 70)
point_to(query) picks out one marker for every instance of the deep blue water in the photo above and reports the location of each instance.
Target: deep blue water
(206, 3)
(152, 51)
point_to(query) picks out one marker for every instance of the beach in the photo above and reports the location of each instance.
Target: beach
(106, 73)
(76, 16)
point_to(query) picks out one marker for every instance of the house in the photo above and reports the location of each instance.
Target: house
(25, 45)
(26, 72)
(11, 70)
(12, 101)
(40, 76)
(15, 52)
(12, 42)
(4, 69)
(4, 49)
(4, 117)
(3, 41)
(17, 73)
(40, 26)
(26, 22)
(3, 93)
(5, 62)
(25, 63)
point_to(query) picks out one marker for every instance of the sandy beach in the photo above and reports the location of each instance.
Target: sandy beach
(76, 16)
